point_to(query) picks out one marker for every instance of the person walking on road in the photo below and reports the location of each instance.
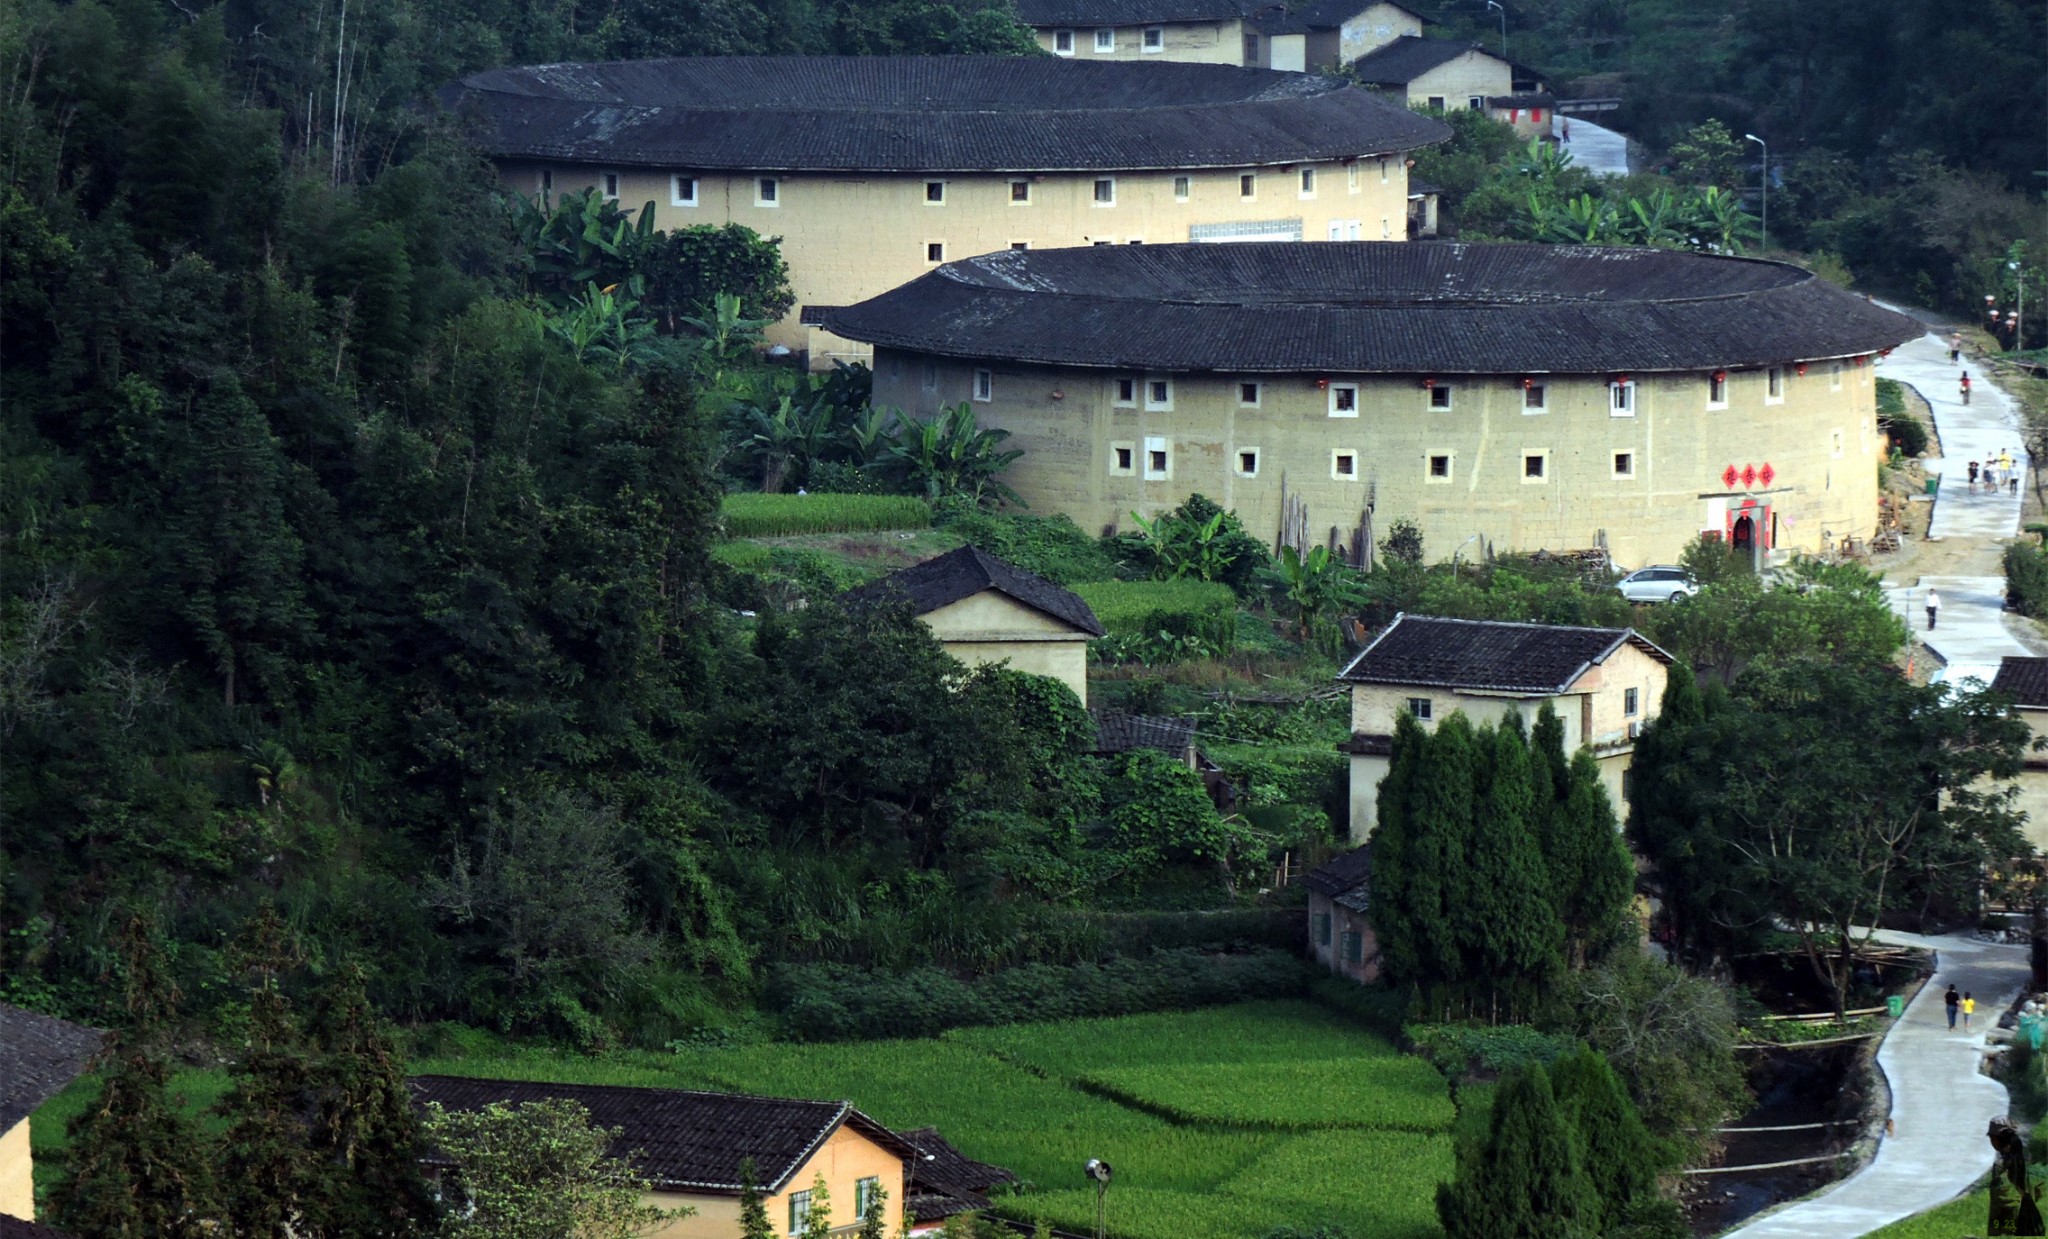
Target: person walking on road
(1954, 1002)
(1966, 387)
(1969, 1009)
(1955, 347)
(1973, 475)
(1933, 605)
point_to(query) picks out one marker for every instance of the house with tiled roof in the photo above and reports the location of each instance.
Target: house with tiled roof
(1306, 35)
(1604, 684)
(39, 1055)
(1340, 932)
(2025, 682)
(690, 1145)
(1450, 75)
(873, 170)
(987, 610)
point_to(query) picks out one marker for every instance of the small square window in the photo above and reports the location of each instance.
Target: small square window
(1383, 171)
(609, 182)
(1127, 391)
(1121, 456)
(682, 190)
(1354, 946)
(1436, 103)
(1020, 192)
(1322, 929)
(930, 376)
(1105, 40)
(1351, 176)
(1105, 191)
(1248, 185)
(1020, 245)
(1308, 182)
(1343, 400)
(1182, 188)
(767, 191)
(1624, 464)
(1158, 393)
(1248, 395)
(1535, 398)
(1155, 38)
(1344, 466)
(1535, 466)
(1134, 241)
(1630, 701)
(1248, 462)
(984, 385)
(1418, 709)
(1774, 384)
(1621, 399)
(1063, 42)
(1157, 461)
(935, 251)
(1439, 396)
(1440, 467)
(1834, 376)
(1476, 102)
(1717, 390)
(935, 192)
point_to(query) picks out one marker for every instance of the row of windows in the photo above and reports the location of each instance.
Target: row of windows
(1422, 709)
(683, 187)
(1150, 39)
(864, 1194)
(1439, 468)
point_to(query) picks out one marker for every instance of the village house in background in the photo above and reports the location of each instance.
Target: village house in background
(1504, 397)
(1604, 684)
(1253, 34)
(39, 1055)
(690, 1144)
(875, 170)
(1451, 76)
(2025, 680)
(984, 610)
(1339, 929)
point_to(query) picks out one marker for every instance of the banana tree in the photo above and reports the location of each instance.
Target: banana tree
(1183, 548)
(1313, 587)
(1656, 220)
(951, 455)
(1717, 221)
(784, 441)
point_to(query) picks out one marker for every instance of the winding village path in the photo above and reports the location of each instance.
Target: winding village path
(1599, 150)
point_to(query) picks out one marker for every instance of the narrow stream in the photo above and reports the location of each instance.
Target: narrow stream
(1793, 1087)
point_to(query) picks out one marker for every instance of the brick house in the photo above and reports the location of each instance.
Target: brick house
(1339, 931)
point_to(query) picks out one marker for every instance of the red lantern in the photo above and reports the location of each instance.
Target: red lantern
(1322, 384)
(1527, 382)
(1885, 352)
(1801, 368)
(1429, 383)
(1729, 477)
(1620, 379)
(1720, 376)
(1766, 474)
(1749, 475)
(1859, 358)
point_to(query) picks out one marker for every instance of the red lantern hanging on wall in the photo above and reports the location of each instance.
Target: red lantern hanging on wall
(1801, 369)
(1428, 383)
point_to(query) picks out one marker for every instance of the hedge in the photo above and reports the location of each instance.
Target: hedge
(1135, 933)
(1183, 608)
(838, 1002)
(779, 516)
(2026, 578)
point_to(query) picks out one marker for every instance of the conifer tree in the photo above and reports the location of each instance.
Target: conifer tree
(267, 1168)
(754, 1222)
(1398, 887)
(1618, 1156)
(1521, 1179)
(366, 1133)
(137, 1167)
(1593, 874)
(1508, 925)
(1440, 834)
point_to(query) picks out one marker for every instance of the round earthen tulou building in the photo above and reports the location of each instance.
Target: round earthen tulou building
(1516, 397)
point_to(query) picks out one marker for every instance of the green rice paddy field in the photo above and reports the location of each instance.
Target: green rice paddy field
(1223, 1122)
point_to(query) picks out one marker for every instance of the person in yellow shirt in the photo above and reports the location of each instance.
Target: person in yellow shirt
(1969, 1009)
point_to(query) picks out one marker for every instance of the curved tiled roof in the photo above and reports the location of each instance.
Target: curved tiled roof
(928, 114)
(1374, 307)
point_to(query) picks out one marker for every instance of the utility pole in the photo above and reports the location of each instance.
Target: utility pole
(1764, 190)
(1495, 4)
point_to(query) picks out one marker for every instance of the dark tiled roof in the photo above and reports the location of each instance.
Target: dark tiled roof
(928, 113)
(2025, 680)
(1409, 57)
(943, 1181)
(1417, 187)
(814, 315)
(684, 1139)
(39, 1055)
(963, 573)
(15, 1228)
(1117, 732)
(1341, 874)
(1489, 655)
(1374, 307)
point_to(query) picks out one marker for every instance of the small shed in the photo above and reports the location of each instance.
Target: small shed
(1339, 929)
(984, 610)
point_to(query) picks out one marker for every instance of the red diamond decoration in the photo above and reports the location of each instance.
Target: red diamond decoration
(1729, 477)
(1749, 475)
(1766, 473)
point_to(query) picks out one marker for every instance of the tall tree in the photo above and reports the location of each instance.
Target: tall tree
(1508, 924)
(365, 1131)
(1523, 1178)
(267, 1169)
(1591, 872)
(1618, 1156)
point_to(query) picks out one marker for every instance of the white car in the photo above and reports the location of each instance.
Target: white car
(1663, 583)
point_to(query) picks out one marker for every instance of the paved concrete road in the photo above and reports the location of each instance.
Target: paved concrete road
(1941, 1103)
(1600, 151)
(1970, 632)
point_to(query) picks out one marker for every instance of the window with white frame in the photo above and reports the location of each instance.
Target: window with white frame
(1419, 709)
(608, 182)
(1476, 102)
(984, 385)
(1386, 229)
(935, 193)
(1621, 398)
(1105, 191)
(1438, 470)
(935, 251)
(1308, 182)
(1774, 385)
(1717, 390)
(1248, 395)
(799, 1211)
(1127, 392)
(1535, 398)
(1351, 177)
(1834, 376)
(1343, 400)
(1247, 462)
(1344, 464)
(682, 190)
(1183, 187)
(1248, 185)
(1020, 193)
(1536, 466)
(1631, 701)
(1624, 465)
(1062, 42)
(1158, 462)
(767, 191)
(1440, 396)
(1155, 39)
(1159, 394)
(1383, 171)
(1123, 459)
(866, 1194)
(1105, 41)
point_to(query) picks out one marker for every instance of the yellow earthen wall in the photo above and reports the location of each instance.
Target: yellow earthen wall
(17, 1177)
(1460, 79)
(2033, 781)
(1819, 440)
(991, 628)
(847, 238)
(846, 1158)
(1209, 43)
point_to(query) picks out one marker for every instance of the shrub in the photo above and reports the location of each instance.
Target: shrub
(778, 516)
(1906, 432)
(1052, 546)
(2026, 579)
(1135, 933)
(1204, 610)
(1459, 1048)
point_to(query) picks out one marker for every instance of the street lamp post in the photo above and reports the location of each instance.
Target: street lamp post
(2019, 314)
(1098, 1170)
(1764, 190)
(1495, 4)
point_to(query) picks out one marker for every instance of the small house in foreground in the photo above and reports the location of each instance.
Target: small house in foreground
(39, 1055)
(1448, 75)
(1604, 683)
(2025, 680)
(984, 610)
(1339, 932)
